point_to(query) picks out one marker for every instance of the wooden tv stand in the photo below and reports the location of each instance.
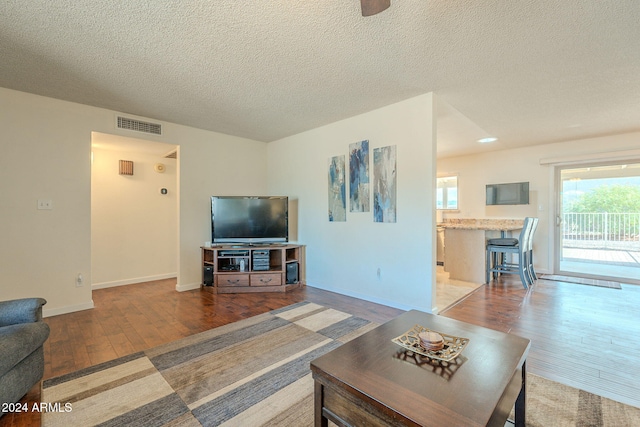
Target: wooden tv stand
(256, 268)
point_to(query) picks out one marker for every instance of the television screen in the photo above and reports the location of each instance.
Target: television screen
(516, 193)
(245, 219)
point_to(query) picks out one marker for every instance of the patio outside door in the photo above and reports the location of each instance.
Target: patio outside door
(598, 222)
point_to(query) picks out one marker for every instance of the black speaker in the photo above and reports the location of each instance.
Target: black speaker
(207, 275)
(292, 273)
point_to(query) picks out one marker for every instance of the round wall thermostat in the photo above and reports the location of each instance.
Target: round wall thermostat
(163, 191)
(159, 167)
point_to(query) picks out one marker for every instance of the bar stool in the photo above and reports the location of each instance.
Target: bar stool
(497, 249)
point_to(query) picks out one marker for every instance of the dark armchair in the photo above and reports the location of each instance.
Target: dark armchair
(22, 335)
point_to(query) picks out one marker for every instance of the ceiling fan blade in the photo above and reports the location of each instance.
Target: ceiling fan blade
(371, 7)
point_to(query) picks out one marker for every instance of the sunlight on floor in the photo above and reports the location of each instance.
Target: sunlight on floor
(611, 268)
(449, 291)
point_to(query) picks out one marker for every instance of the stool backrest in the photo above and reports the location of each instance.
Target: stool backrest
(532, 231)
(524, 242)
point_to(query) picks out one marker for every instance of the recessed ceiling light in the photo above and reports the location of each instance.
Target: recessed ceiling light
(487, 140)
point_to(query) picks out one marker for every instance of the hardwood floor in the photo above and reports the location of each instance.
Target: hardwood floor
(583, 336)
(133, 318)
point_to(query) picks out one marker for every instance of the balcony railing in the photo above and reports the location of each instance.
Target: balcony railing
(607, 230)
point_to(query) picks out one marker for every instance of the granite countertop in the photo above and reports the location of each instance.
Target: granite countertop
(482, 224)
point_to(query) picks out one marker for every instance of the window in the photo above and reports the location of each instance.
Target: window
(447, 193)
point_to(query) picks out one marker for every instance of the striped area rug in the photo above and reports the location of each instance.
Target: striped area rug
(256, 373)
(250, 373)
(553, 404)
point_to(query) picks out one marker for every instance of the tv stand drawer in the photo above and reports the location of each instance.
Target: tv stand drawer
(232, 279)
(266, 279)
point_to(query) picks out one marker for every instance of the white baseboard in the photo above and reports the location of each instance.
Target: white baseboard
(125, 282)
(67, 309)
(189, 287)
(369, 298)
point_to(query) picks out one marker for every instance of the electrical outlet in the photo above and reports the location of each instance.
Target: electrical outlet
(79, 280)
(45, 204)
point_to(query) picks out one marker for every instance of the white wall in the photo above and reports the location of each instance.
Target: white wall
(134, 228)
(523, 164)
(344, 256)
(211, 164)
(46, 154)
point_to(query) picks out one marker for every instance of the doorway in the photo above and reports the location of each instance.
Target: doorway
(134, 213)
(598, 221)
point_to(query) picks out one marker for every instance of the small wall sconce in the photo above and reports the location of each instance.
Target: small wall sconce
(126, 167)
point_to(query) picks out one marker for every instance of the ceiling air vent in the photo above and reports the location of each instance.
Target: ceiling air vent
(139, 126)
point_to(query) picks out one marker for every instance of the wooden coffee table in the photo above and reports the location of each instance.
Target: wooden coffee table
(373, 381)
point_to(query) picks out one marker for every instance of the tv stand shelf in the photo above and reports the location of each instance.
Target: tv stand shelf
(252, 268)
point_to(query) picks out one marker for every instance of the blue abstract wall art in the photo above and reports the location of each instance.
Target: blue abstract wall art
(337, 190)
(359, 192)
(384, 184)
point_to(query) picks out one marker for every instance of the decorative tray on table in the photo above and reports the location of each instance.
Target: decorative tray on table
(452, 348)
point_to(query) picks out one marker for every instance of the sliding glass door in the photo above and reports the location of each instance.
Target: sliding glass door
(598, 221)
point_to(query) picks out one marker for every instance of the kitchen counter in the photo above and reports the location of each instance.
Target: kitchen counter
(483, 224)
(465, 245)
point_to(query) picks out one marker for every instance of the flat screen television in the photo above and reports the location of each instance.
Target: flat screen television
(516, 193)
(249, 219)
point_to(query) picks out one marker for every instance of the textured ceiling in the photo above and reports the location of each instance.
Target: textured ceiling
(527, 71)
